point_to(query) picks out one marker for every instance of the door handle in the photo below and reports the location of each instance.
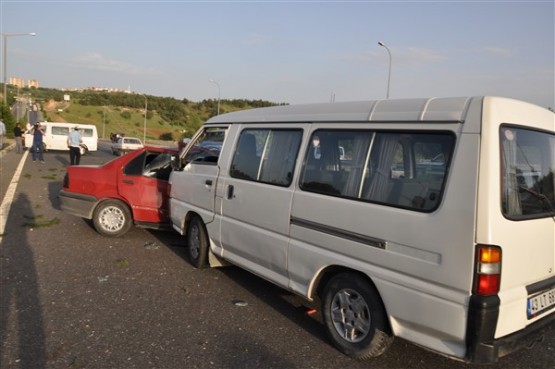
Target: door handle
(208, 182)
(230, 192)
(128, 181)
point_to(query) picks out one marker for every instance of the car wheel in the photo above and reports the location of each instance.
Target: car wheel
(355, 317)
(197, 243)
(112, 218)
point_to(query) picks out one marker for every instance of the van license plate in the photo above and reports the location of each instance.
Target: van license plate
(540, 303)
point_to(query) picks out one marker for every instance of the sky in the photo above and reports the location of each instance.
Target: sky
(287, 51)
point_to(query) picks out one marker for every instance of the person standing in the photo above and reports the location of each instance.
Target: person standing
(37, 143)
(17, 132)
(74, 141)
(2, 134)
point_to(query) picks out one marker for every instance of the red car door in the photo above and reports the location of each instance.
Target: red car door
(143, 182)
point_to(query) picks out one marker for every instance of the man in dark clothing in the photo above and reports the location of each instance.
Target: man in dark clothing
(17, 132)
(37, 143)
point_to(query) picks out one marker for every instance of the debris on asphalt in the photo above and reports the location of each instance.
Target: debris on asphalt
(240, 303)
(102, 279)
(151, 245)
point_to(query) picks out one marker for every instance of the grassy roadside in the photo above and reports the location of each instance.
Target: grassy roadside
(114, 119)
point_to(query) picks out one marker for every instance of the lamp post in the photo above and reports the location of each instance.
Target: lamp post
(144, 129)
(217, 84)
(104, 120)
(389, 73)
(5, 59)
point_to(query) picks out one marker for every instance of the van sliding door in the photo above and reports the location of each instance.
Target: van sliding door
(257, 199)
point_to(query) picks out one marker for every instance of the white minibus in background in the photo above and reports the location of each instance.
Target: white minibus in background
(427, 219)
(55, 136)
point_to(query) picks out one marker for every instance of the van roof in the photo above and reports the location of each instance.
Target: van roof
(445, 109)
(66, 124)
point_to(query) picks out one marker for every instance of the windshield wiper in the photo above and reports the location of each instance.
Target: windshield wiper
(540, 196)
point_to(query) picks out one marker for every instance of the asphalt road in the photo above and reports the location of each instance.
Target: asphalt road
(70, 298)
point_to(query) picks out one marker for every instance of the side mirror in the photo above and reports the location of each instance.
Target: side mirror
(176, 163)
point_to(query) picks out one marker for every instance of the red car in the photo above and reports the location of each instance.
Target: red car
(132, 189)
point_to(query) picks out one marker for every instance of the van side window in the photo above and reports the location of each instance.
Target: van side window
(206, 148)
(401, 169)
(62, 131)
(266, 155)
(86, 132)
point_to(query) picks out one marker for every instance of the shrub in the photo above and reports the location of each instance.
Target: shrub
(167, 136)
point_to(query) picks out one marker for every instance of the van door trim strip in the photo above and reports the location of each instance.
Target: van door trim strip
(374, 242)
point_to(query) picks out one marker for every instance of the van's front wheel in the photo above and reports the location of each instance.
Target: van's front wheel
(197, 243)
(355, 318)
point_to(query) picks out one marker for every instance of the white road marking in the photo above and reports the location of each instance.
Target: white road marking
(10, 193)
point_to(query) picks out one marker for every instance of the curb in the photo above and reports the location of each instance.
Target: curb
(6, 149)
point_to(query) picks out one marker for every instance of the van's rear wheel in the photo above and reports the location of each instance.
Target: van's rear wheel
(355, 318)
(197, 243)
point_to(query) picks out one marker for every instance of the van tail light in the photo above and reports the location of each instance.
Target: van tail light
(487, 278)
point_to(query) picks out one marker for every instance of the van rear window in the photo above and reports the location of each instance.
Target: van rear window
(401, 169)
(527, 173)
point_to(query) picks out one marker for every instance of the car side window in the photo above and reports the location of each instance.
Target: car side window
(135, 166)
(266, 155)
(158, 165)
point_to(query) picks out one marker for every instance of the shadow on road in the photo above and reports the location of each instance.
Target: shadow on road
(22, 333)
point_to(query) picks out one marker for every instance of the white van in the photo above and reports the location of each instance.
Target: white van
(55, 136)
(434, 223)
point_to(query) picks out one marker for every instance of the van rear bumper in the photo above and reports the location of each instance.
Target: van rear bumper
(77, 204)
(482, 347)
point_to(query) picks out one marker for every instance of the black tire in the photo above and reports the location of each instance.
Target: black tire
(197, 243)
(355, 318)
(112, 218)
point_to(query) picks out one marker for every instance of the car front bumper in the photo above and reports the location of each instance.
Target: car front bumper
(77, 204)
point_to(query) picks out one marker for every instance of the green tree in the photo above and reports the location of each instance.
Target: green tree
(8, 119)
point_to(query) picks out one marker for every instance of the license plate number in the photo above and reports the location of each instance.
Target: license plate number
(540, 303)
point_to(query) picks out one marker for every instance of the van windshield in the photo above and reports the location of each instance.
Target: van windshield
(206, 148)
(528, 173)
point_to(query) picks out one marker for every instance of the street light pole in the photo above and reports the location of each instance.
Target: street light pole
(5, 59)
(104, 119)
(144, 129)
(389, 73)
(217, 84)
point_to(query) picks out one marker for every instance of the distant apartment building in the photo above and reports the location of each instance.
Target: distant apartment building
(20, 82)
(17, 82)
(33, 83)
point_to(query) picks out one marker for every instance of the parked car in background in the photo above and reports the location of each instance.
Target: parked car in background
(131, 189)
(126, 144)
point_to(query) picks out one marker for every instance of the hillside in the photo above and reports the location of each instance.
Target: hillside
(117, 112)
